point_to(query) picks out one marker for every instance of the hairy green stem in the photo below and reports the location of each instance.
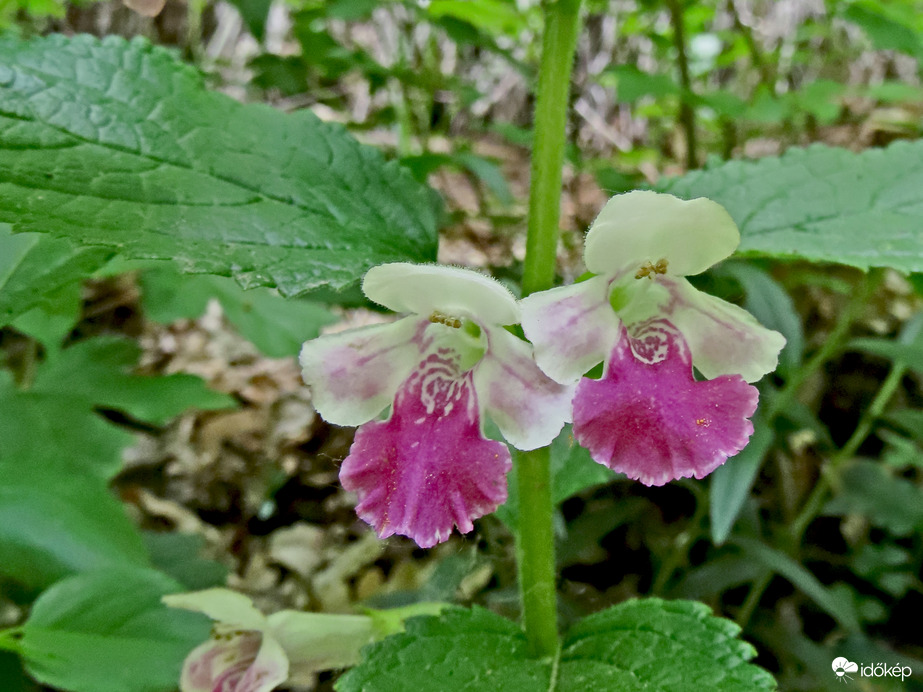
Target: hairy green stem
(535, 540)
(562, 21)
(535, 551)
(686, 109)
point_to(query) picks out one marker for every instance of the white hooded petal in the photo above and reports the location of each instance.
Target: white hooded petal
(222, 605)
(354, 374)
(724, 339)
(571, 328)
(529, 408)
(638, 229)
(452, 291)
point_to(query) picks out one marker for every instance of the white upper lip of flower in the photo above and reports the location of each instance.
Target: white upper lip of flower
(426, 288)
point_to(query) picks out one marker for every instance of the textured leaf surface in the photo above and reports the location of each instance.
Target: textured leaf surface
(638, 645)
(34, 267)
(99, 372)
(119, 144)
(109, 632)
(822, 204)
(460, 650)
(659, 645)
(54, 524)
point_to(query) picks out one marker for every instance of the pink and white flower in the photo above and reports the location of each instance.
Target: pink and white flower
(250, 652)
(428, 466)
(648, 417)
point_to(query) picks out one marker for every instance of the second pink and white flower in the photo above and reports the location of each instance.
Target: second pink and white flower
(648, 416)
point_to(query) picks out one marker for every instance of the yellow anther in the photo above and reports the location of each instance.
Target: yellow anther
(439, 318)
(648, 269)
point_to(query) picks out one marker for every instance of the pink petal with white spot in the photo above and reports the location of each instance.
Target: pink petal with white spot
(644, 226)
(529, 407)
(571, 328)
(239, 662)
(649, 419)
(724, 339)
(353, 375)
(428, 467)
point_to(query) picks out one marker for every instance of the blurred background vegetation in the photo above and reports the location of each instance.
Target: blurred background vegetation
(810, 540)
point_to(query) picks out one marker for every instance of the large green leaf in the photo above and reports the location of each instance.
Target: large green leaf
(53, 524)
(107, 631)
(33, 268)
(118, 143)
(638, 645)
(822, 204)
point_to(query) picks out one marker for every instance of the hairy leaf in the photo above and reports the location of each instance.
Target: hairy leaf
(638, 645)
(117, 143)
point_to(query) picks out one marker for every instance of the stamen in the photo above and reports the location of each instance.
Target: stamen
(439, 318)
(648, 269)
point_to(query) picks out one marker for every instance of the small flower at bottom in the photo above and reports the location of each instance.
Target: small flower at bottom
(648, 417)
(250, 652)
(428, 467)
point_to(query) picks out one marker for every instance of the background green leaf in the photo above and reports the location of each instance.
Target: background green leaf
(36, 427)
(823, 205)
(98, 370)
(178, 555)
(869, 489)
(118, 143)
(54, 524)
(33, 268)
(731, 482)
(275, 325)
(107, 631)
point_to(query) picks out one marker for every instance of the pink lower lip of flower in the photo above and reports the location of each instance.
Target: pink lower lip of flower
(428, 467)
(648, 417)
